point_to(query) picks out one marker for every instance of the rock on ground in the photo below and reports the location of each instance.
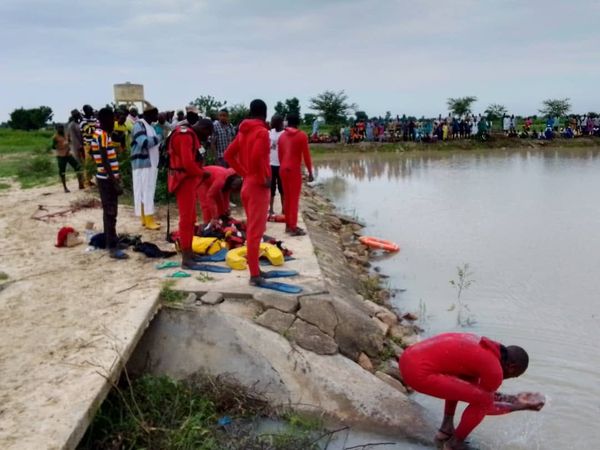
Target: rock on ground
(311, 338)
(276, 320)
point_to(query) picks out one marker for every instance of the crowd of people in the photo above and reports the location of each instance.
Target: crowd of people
(404, 129)
(205, 161)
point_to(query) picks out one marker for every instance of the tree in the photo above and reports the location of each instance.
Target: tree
(237, 113)
(461, 105)
(309, 118)
(495, 111)
(208, 105)
(293, 106)
(333, 106)
(361, 116)
(30, 119)
(554, 107)
(280, 109)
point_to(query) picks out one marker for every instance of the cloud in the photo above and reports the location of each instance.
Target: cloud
(400, 55)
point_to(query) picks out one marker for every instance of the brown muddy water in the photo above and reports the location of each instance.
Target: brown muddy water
(528, 225)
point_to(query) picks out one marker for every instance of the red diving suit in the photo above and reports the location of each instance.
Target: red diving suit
(185, 173)
(249, 155)
(457, 367)
(213, 201)
(293, 146)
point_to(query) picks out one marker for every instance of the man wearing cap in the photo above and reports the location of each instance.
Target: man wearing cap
(144, 164)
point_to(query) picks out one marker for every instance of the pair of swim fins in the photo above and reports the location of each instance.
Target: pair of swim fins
(277, 286)
(216, 257)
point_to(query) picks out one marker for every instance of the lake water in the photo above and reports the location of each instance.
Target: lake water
(528, 225)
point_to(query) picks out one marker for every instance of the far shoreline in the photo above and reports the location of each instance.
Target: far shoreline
(494, 143)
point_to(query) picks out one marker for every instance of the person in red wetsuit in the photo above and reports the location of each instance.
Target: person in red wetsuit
(214, 191)
(468, 368)
(185, 174)
(293, 147)
(248, 155)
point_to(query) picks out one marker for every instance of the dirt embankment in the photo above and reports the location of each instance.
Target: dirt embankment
(345, 264)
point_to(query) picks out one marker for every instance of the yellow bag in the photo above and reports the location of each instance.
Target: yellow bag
(236, 258)
(207, 245)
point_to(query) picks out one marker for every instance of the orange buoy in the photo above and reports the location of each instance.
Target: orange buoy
(382, 244)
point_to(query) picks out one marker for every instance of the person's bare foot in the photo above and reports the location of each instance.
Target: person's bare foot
(442, 436)
(455, 444)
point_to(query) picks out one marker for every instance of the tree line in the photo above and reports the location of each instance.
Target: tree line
(333, 107)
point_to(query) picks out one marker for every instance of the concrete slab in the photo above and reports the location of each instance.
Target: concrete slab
(71, 318)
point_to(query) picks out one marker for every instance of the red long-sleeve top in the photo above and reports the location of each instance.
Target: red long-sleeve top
(183, 148)
(293, 147)
(249, 152)
(464, 355)
(217, 200)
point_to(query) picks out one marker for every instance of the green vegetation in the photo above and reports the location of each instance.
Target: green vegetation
(30, 119)
(203, 413)
(170, 296)
(26, 157)
(461, 105)
(461, 284)
(556, 107)
(332, 106)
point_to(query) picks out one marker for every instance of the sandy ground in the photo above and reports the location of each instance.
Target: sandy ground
(69, 317)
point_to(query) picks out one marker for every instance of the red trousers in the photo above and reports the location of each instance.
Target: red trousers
(255, 198)
(292, 186)
(186, 203)
(204, 205)
(453, 390)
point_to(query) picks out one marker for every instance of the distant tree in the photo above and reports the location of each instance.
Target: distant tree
(293, 106)
(495, 111)
(592, 114)
(30, 119)
(208, 105)
(280, 109)
(461, 105)
(237, 113)
(333, 106)
(309, 118)
(555, 107)
(388, 116)
(361, 116)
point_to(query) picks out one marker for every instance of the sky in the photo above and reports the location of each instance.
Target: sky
(396, 55)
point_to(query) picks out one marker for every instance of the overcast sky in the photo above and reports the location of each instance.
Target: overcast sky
(402, 56)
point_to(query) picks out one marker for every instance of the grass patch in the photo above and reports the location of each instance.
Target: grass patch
(3, 276)
(169, 296)
(4, 186)
(203, 413)
(204, 278)
(369, 288)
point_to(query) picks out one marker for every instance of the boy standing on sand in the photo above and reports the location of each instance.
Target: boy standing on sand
(64, 157)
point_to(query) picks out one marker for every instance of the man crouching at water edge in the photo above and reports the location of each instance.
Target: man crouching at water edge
(463, 367)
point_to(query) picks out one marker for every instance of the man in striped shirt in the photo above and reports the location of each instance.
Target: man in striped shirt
(88, 126)
(104, 152)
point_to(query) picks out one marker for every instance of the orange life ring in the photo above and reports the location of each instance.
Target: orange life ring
(382, 244)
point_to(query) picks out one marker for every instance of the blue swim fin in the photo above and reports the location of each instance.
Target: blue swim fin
(208, 268)
(217, 257)
(281, 287)
(279, 274)
(266, 262)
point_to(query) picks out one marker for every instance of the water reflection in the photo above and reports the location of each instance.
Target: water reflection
(397, 165)
(528, 223)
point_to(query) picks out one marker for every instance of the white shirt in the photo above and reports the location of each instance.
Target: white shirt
(274, 135)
